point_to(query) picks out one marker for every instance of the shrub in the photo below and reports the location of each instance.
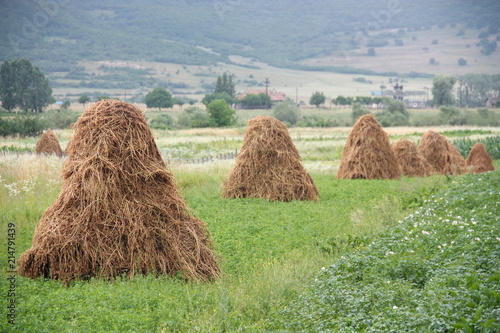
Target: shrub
(221, 113)
(21, 125)
(162, 122)
(59, 119)
(286, 112)
(358, 110)
(395, 114)
(193, 117)
(452, 115)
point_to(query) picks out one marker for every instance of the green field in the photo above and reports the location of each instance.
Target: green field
(270, 252)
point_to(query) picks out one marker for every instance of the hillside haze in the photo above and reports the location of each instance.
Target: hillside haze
(332, 36)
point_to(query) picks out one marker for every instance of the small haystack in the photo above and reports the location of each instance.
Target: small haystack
(412, 163)
(48, 144)
(269, 166)
(119, 211)
(458, 163)
(441, 154)
(479, 160)
(367, 153)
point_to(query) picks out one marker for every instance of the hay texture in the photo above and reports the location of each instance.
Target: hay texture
(412, 163)
(48, 144)
(478, 160)
(441, 154)
(119, 211)
(269, 166)
(367, 153)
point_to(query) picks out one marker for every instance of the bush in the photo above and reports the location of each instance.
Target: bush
(162, 122)
(21, 125)
(286, 112)
(193, 117)
(357, 111)
(452, 115)
(220, 113)
(59, 119)
(395, 114)
(316, 121)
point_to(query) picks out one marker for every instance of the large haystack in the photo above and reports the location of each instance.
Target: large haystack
(48, 144)
(441, 154)
(412, 163)
(269, 166)
(119, 211)
(367, 153)
(479, 160)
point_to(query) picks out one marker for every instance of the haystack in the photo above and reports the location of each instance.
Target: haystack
(367, 153)
(269, 166)
(479, 160)
(48, 144)
(412, 163)
(119, 211)
(457, 160)
(441, 154)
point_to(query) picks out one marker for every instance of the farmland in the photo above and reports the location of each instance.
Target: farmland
(270, 252)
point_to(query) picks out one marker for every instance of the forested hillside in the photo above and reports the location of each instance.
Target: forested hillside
(56, 34)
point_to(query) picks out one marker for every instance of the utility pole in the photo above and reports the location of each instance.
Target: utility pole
(267, 84)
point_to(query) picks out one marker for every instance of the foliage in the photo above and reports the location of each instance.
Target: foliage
(223, 95)
(358, 110)
(220, 113)
(317, 98)
(84, 99)
(452, 115)
(342, 100)
(258, 101)
(394, 114)
(24, 86)
(462, 62)
(477, 88)
(159, 98)
(491, 144)
(162, 122)
(316, 121)
(371, 52)
(437, 271)
(442, 89)
(286, 112)
(224, 84)
(24, 126)
(59, 119)
(193, 117)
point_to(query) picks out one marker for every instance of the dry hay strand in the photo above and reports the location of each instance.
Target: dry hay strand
(441, 154)
(48, 144)
(119, 210)
(269, 166)
(412, 163)
(479, 160)
(367, 153)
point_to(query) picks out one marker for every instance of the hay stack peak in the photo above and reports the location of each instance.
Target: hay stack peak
(441, 154)
(119, 211)
(48, 144)
(412, 163)
(268, 166)
(367, 153)
(479, 160)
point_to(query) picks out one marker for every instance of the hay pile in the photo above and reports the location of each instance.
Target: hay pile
(441, 154)
(119, 211)
(412, 163)
(48, 144)
(479, 160)
(269, 166)
(367, 153)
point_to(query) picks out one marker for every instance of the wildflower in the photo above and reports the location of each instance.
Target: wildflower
(425, 232)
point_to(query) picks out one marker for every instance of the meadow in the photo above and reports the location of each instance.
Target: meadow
(273, 255)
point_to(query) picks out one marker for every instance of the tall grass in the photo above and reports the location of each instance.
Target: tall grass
(269, 252)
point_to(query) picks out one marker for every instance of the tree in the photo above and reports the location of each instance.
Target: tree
(225, 84)
(394, 114)
(159, 98)
(24, 85)
(287, 112)
(462, 62)
(452, 115)
(178, 101)
(84, 99)
(253, 101)
(317, 98)
(371, 52)
(442, 89)
(221, 113)
(357, 111)
(222, 95)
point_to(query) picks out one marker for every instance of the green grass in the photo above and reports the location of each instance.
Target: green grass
(436, 271)
(269, 252)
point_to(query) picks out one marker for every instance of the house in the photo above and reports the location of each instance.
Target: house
(492, 102)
